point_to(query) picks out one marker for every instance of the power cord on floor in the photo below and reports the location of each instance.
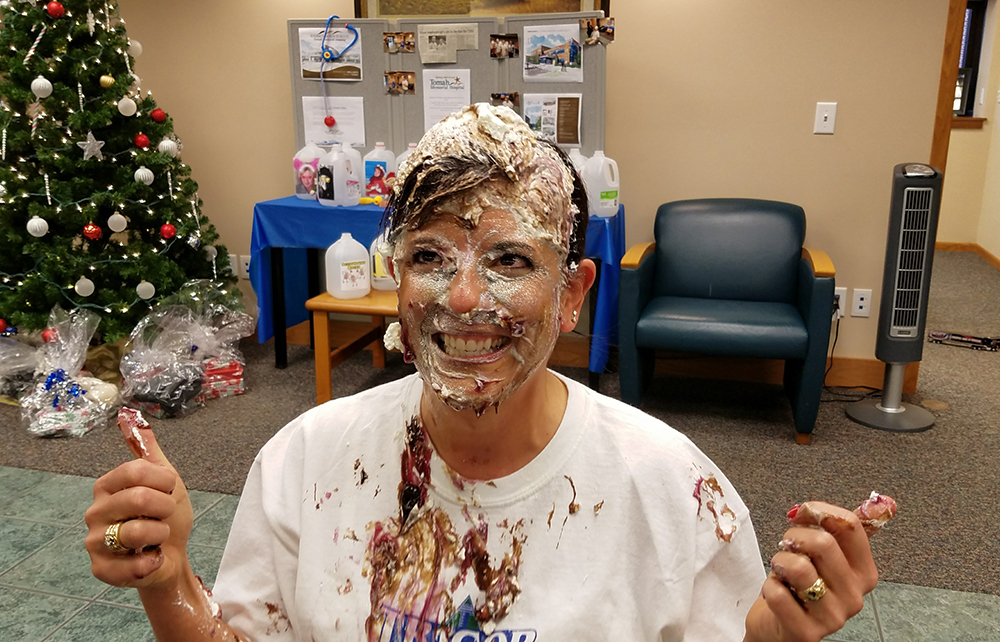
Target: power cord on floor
(840, 393)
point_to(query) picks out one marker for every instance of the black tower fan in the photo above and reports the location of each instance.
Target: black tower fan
(909, 253)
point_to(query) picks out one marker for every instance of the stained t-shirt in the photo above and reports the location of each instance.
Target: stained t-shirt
(351, 528)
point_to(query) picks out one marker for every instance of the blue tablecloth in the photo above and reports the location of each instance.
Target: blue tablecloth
(296, 224)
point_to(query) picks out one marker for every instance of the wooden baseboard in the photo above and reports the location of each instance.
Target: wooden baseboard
(943, 246)
(573, 351)
(846, 372)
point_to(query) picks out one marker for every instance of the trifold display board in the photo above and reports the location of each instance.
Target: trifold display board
(398, 118)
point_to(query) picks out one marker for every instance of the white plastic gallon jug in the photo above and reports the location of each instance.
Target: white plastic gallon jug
(326, 192)
(356, 173)
(402, 157)
(579, 160)
(306, 164)
(600, 175)
(347, 269)
(381, 280)
(380, 171)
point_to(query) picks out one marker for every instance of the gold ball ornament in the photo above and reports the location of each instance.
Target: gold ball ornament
(107, 81)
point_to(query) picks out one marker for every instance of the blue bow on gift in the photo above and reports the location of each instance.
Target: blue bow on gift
(61, 384)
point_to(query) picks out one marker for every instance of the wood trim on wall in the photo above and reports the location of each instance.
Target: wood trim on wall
(946, 85)
(967, 122)
(943, 246)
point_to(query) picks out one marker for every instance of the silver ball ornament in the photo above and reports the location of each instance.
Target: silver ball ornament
(168, 147)
(194, 241)
(143, 175)
(84, 287)
(117, 222)
(38, 226)
(145, 290)
(127, 107)
(41, 87)
(134, 48)
(211, 252)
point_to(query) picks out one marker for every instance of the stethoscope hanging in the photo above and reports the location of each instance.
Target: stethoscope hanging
(329, 55)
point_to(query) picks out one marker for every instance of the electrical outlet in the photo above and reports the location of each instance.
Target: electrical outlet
(234, 264)
(839, 302)
(861, 307)
(244, 266)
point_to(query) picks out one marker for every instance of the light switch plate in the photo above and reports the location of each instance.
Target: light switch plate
(826, 118)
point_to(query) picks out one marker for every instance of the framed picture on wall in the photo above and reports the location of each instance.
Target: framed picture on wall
(471, 8)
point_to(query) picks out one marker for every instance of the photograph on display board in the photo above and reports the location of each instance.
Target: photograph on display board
(400, 82)
(552, 53)
(510, 99)
(598, 29)
(504, 45)
(342, 42)
(554, 117)
(383, 8)
(399, 42)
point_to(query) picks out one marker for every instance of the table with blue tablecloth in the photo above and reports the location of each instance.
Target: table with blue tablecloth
(284, 267)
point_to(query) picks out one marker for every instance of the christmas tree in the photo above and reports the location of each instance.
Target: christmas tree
(97, 210)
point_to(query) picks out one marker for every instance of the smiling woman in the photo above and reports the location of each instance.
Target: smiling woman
(455, 504)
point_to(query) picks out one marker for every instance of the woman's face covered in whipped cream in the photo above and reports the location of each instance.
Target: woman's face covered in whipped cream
(482, 264)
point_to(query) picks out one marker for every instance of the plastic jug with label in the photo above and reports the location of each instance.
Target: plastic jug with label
(306, 164)
(406, 153)
(381, 279)
(380, 171)
(326, 192)
(600, 175)
(578, 159)
(347, 269)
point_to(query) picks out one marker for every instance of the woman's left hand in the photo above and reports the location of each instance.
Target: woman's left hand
(825, 548)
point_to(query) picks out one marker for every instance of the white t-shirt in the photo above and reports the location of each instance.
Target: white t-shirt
(620, 529)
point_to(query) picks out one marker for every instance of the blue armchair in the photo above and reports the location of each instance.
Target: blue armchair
(729, 276)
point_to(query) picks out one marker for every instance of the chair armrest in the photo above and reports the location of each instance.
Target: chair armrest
(820, 262)
(636, 254)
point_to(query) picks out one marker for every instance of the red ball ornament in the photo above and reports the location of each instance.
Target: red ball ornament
(330, 121)
(91, 231)
(168, 231)
(55, 9)
(3, 326)
(158, 115)
(142, 141)
(49, 335)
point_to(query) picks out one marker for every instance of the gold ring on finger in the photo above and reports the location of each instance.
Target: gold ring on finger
(814, 593)
(113, 542)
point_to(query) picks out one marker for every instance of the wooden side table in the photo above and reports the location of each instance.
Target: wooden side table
(379, 304)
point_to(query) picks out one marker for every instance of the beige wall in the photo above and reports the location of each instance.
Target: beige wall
(705, 98)
(988, 222)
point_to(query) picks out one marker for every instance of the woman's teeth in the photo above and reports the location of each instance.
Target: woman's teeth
(457, 347)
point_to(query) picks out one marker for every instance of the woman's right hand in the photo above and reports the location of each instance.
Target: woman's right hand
(149, 499)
